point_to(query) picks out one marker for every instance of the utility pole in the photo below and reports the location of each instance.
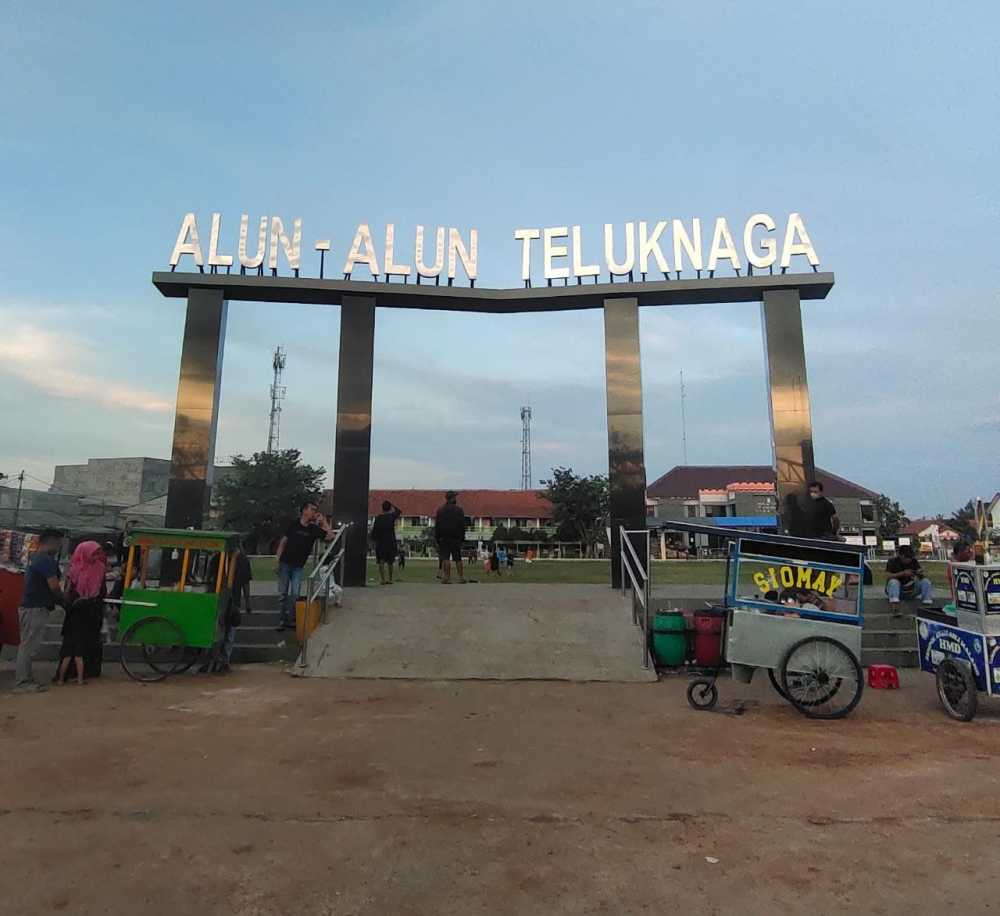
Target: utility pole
(525, 448)
(277, 396)
(684, 433)
(20, 487)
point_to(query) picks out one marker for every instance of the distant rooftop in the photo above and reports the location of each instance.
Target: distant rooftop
(685, 481)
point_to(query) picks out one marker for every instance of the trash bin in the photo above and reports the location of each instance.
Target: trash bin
(306, 618)
(708, 637)
(669, 639)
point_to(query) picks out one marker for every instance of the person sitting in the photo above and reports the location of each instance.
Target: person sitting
(906, 579)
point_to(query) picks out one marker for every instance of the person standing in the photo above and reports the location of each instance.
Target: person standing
(40, 596)
(823, 521)
(383, 536)
(86, 590)
(494, 559)
(501, 556)
(449, 532)
(293, 550)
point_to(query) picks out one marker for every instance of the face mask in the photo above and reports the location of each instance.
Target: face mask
(816, 495)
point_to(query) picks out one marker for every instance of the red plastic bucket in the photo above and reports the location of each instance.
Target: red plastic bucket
(708, 638)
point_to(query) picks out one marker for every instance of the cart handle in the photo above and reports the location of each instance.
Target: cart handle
(133, 603)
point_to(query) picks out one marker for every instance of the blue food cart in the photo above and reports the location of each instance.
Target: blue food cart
(963, 652)
(793, 606)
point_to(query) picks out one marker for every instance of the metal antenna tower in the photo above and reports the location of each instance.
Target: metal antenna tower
(684, 428)
(525, 448)
(277, 396)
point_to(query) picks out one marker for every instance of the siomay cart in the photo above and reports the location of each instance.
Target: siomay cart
(963, 652)
(166, 626)
(793, 606)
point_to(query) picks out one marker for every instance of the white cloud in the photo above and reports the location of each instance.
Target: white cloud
(56, 363)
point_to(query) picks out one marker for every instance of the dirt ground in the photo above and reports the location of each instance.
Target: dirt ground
(260, 794)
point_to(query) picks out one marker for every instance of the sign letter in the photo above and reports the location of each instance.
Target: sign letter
(418, 253)
(650, 245)
(214, 258)
(258, 258)
(768, 244)
(691, 245)
(722, 245)
(526, 236)
(579, 268)
(470, 258)
(362, 237)
(402, 270)
(803, 246)
(550, 251)
(292, 251)
(187, 242)
(609, 249)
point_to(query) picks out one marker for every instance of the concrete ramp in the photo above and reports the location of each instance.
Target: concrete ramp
(478, 631)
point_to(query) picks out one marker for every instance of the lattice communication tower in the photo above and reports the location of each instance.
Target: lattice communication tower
(525, 448)
(277, 396)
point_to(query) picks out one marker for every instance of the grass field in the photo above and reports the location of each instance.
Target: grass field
(596, 572)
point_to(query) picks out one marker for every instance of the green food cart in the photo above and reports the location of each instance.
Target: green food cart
(164, 627)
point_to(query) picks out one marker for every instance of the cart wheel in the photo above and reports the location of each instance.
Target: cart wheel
(957, 690)
(152, 648)
(702, 694)
(776, 684)
(821, 678)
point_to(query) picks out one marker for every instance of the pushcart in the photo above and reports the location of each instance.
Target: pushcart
(793, 606)
(165, 626)
(963, 652)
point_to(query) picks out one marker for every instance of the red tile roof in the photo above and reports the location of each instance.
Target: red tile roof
(684, 481)
(922, 524)
(476, 503)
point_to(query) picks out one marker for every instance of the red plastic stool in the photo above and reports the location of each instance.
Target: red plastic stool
(883, 677)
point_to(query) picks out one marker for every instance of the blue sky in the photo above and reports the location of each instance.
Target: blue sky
(878, 122)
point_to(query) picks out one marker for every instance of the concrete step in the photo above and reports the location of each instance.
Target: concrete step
(899, 658)
(888, 639)
(883, 622)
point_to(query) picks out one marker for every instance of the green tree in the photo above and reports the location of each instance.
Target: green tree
(964, 521)
(263, 492)
(580, 506)
(892, 517)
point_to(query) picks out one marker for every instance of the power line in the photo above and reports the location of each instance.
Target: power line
(20, 488)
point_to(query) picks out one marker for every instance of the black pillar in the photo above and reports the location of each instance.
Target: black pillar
(352, 456)
(196, 417)
(788, 401)
(626, 461)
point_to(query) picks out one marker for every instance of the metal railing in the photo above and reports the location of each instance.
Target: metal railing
(322, 582)
(635, 575)
(323, 579)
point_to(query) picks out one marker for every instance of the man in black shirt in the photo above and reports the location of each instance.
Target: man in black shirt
(906, 579)
(293, 551)
(822, 518)
(449, 532)
(384, 539)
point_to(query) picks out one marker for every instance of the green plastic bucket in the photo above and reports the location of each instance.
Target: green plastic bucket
(669, 639)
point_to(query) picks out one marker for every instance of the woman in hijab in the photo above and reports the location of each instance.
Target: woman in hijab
(85, 595)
